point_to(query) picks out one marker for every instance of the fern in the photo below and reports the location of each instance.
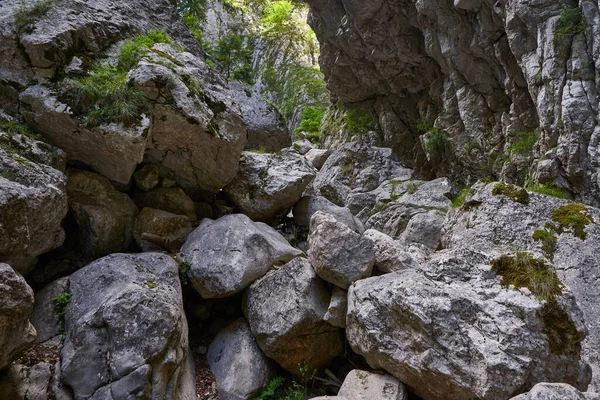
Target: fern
(270, 391)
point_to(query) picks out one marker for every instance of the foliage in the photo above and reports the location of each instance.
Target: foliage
(272, 389)
(524, 143)
(310, 121)
(282, 21)
(60, 304)
(194, 8)
(551, 190)
(234, 53)
(297, 390)
(27, 13)
(513, 192)
(20, 129)
(435, 138)
(461, 197)
(132, 50)
(570, 22)
(184, 267)
(547, 239)
(573, 218)
(358, 122)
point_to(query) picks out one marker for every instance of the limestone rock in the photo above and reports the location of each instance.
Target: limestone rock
(43, 317)
(269, 184)
(227, 255)
(16, 304)
(366, 385)
(23, 382)
(338, 307)
(308, 205)
(173, 200)
(285, 310)
(303, 146)
(102, 217)
(148, 177)
(389, 256)
(556, 391)
(317, 157)
(162, 229)
(338, 254)
(240, 367)
(126, 330)
(425, 229)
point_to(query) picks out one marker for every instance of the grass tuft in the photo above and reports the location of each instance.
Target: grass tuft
(27, 13)
(573, 218)
(513, 192)
(461, 197)
(551, 190)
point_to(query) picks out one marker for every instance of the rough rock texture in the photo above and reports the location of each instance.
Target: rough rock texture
(389, 255)
(166, 230)
(497, 225)
(127, 331)
(43, 317)
(148, 177)
(227, 255)
(240, 367)
(482, 72)
(338, 307)
(266, 127)
(450, 331)
(173, 200)
(269, 184)
(16, 304)
(366, 385)
(285, 310)
(33, 199)
(317, 157)
(556, 391)
(338, 254)
(28, 383)
(425, 229)
(308, 205)
(101, 217)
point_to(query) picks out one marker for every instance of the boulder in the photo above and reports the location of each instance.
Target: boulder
(308, 205)
(238, 364)
(173, 200)
(147, 178)
(360, 385)
(317, 157)
(156, 228)
(33, 200)
(126, 330)
(101, 217)
(389, 255)
(269, 184)
(227, 255)
(285, 310)
(338, 307)
(303, 146)
(44, 317)
(24, 382)
(556, 391)
(425, 229)
(16, 304)
(338, 254)
(266, 127)
(494, 342)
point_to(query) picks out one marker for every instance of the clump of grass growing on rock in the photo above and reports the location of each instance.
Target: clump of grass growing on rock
(570, 22)
(461, 197)
(513, 192)
(523, 144)
(26, 13)
(547, 239)
(573, 218)
(551, 190)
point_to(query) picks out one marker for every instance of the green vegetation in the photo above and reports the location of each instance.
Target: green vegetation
(60, 306)
(270, 392)
(358, 122)
(572, 218)
(310, 122)
(523, 144)
(548, 240)
(105, 93)
(436, 140)
(234, 53)
(461, 197)
(27, 13)
(184, 268)
(513, 192)
(297, 390)
(551, 190)
(13, 127)
(569, 23)
(151, 284)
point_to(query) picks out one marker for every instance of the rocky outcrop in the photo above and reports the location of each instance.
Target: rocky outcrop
(556, 391)
(366, 385)
(308, 205)
(16, 304)
(317, 157)
(127, 331)
(240, 367)
(269, 184)
(338, 308)
(101, 217)
(227, 255)
(285, 310)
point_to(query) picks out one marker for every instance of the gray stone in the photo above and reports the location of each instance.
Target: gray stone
(367, 385)
(308, 205)
(227, 255)
(338, 307)
(556, 391)
(102, 217)
(338, 254)
(173, 200)
(156, 228)
(389, 256)
(16, 304)
(317, 157)
(148, 177)
(285, 310)
(26, 382)
(43, 317)
(127, 331)
(425, 229)
(269, 184)
(303, 146)
(239, 366)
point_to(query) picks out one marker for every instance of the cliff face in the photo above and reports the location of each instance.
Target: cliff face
(481, 88)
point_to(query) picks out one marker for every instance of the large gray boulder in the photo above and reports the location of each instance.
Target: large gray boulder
(238, 364)
(16, 304)
(308, 205)
(102, 217)
(33, 200)
(285, 310)
(338, 254)
(227, 255)
(127, 332)
(556, 391)
(360, 385)
(269, 184)
(390, 255)
(317, 157)
(44, 317)
(457, 334)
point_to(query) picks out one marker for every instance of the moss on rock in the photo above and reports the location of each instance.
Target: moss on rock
(513, 192)
(572, 218)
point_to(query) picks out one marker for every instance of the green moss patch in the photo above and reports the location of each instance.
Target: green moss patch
(513, 192)
(569, 23)
(548, 240)
(573, 218)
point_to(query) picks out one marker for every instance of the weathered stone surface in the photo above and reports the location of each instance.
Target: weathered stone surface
(366, 385)
(102, 217)
(28, 383)
(338, 307)
(389, 256)
(425, 229)
(303, 146)
(269, 184)
(16, 304)
(266, 127)
(285, 310)
(33, 200)
(227, 255)
(43, 317)
(156, 228)
(173, 200)
(127, 331)
(338, 254)
(457, 334)
(240, 367)
(556, 391)
(308, 205)
(317, 157)
(148, 177)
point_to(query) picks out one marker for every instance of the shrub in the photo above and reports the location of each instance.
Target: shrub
(513, 192)
(28, 13)
(573, 218)
(358, 122)
(570, 22)
(310, 121)
(272, 389)
(60, 304)
(552, 190)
